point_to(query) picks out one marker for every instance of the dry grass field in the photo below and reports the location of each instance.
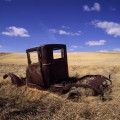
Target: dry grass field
(26, 103)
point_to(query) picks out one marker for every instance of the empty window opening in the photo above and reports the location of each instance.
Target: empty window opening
(57, 54)
(34, 57)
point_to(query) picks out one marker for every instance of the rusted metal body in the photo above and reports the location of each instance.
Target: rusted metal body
(15, 79)
(98, 84)
(48, 71)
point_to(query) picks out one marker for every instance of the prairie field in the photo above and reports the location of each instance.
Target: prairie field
(25, 103)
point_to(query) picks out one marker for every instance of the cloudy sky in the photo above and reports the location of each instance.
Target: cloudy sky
(83, 25)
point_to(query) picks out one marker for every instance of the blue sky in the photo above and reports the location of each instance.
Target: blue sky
(83, 25)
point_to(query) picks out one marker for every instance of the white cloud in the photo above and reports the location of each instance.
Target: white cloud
(78, 33)
(86, 8)
(112, 9)
(0, 46)
(116, 49)
(63, 32)
(74, 46)
(70, 50)
(53, 30)
(103, 51)
(66, 27)
(111, 28)
(14, 31)
(95, 7)
(95, 43)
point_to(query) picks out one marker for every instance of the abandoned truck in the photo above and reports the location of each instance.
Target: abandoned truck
(50, 71)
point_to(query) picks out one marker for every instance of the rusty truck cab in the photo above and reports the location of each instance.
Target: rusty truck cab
(49, 68)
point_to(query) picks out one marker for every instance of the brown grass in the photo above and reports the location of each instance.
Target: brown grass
(29, 103)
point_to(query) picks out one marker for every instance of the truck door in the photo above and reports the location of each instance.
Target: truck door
(34, 69)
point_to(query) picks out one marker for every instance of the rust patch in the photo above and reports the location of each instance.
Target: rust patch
(15, 79)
